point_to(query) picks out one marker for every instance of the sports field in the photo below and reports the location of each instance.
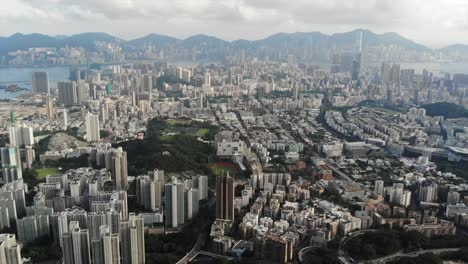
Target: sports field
(44, 172)
(218, 168)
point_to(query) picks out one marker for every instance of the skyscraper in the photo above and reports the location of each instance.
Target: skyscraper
(193, 201)
(67, 249)
(11, 164)
(225, 197)
(50, 108)
(111, 246)
(203, 186)
(97, 251)
(68, 94)
(137, 238)
(147, 83)
(386, 73)
(125, 242)
(81, 246)
(82, 92)
(357, 62)
(10, 250)
(395, 74)
(92, 128)
(21, 135)
(379, 187)
(207, 79)
(40, 82)
(75, 75)
(156, 194)
(119, 168)
(149, 192)
(174, 204)
(186, 75)
(27, 229)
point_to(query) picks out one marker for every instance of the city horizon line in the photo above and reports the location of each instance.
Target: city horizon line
(182, 38)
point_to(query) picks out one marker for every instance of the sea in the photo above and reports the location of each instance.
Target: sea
(21, 76)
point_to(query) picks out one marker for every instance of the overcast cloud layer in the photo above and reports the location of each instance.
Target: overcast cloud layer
(431, 22)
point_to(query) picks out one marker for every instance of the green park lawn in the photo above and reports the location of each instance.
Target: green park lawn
(174, 122)
(44, 172)
(166, 138)
(201, 132)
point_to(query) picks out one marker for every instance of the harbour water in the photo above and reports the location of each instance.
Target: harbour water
(22, 76)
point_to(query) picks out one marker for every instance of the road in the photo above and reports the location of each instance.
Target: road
(401, 254)
(337, 171)
(213, 255)
(328, 162)
(342, 254)
(345, 259)
(195, 250)
(199, 244)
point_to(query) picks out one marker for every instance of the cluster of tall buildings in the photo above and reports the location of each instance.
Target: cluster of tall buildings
(116, 242)
(16, 156)
(72, 93)
(114, 160)
(182, 199)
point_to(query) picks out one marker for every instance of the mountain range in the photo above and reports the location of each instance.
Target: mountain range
(305, 45)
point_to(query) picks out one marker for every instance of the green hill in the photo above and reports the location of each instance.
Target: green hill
(448, 110)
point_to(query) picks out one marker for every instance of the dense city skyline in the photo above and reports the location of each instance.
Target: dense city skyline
(146, 134)
(231, 20)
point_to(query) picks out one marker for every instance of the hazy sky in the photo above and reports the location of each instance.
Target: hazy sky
(431, 22)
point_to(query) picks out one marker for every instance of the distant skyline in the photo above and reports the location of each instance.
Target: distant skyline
(433, 23)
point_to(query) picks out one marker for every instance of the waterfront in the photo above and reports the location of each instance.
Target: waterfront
(22, 78)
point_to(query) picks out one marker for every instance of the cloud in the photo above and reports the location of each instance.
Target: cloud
(432, 22)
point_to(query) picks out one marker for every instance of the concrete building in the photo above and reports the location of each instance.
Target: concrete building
(225, 197)
(10, 250)
(92, 128)
(11, 164)
(379, 187)
(40, 82)
(203, 186)
(111, 246)
(33, 227)
(453, 197)
(81, 244)
(174, 204)
(68, 94)
(119, 168)
(149, 192)
(137, 238)
(193, 199)
(21, 135)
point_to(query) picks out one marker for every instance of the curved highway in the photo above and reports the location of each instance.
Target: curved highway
(346, 259)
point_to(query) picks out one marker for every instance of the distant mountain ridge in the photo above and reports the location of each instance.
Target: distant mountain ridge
(20, 41)
(305, 45)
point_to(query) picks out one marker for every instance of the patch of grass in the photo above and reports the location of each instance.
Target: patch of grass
(44, 172)
(166, 138)
(174, 122)
(202, 132)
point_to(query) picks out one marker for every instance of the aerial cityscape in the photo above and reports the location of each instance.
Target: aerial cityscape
(237, 142)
